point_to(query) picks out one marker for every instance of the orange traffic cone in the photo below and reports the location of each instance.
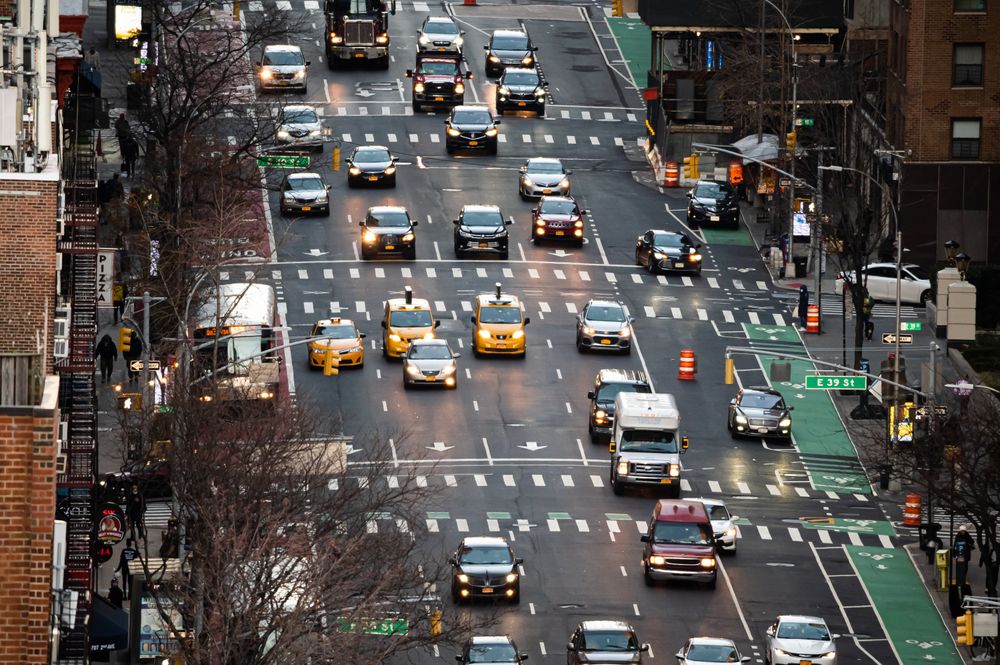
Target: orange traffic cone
(688, 365)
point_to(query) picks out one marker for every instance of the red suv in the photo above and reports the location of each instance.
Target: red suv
(680, 543)
(558, 218)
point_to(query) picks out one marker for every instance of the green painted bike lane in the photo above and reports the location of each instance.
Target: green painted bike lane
(911, 622)
(634, 41)
(827, 451)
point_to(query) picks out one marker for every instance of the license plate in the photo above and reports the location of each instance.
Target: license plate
(439, 99)
(487, 589)
(679, 265)
(306, 208)
(359, 55)
(762, 430)
(560, 233)
(373, 178)
(484, 244)
(282, 82)
(431, 378)
(473, 142)
(805, 662)
(390, 247)
(714, 218)
(605, 341)
(441, 48)
(522, 103)
(546, 191)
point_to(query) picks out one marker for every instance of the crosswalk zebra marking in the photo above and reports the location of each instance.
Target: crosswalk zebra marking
(637, 278)
(794, 534)
(327, 273)
(379, 273)
(493, 525)
(765, 533)
(702, 314)
(584, 276)
(571, 140)
(480, 480)
(597, 481)
(676, 312)
(714, 487)
(439, 306)
(450, 481)
(508, 480)
(824, 536)
(728, 317)
(649, 312)
(307, 307)
(431, 272)
(462, 525)
(713, 283)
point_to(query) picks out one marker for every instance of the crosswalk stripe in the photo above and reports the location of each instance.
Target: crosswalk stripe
(595, 141)
(431, 272)
(754, 318)
(421, 481)
(613, 526)
(832, 495)
(765, 533)
(558, 273)
(886, 541)
(480, 272)
(248, 275)
(855, 538)
(334, 307)
(501, 138)
(794, 534)
(861, 497)
(508, 480)
(392, 482)
(538, 479)
(738, 285)
(493, 525)
(713, 283)
(585, 115)
(508, 273)
(620, 142)
(686, 280)
(565, 114)
(641, 527)
(779, 320)
(450, 481)
(480, 480)
(255, 6)
(276, 275)
(303, 274)
(346, 137)
(544, 307)
(379, 273)
(743, 488)
(421, 7)
(355, 273)
(462, 525)
(728, 316)
(414, 138)
(571, 308)
(762, 285)
(392, 137)
(714, 487)
(327, 273)
(439, 306)
(584, 276)
(637, 278)
(549, 139)
(432, 526)
(567, 480)
(307, 307)
(676, 312)
(630, 116)
(360, 306)
(282, 308)
(702, 314)
(662, 279)
(369, 138)
(597, 481)
(456, 273)
(525, 138)
(582, 526)
(773, 489)
(371, 526)
(553, 525)
(571, 140)
(649, 312)
(801, 491)
(824, 536)
(532, 273)
(466, 306)
(437, 139)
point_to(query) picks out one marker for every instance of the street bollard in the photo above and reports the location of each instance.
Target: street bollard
(941, 562)
(335, 157)
(436, 617)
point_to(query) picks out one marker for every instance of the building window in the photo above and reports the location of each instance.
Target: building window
(968, 67)
(965, 138)
(970, 5)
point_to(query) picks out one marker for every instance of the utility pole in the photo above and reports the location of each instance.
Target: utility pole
(791, 156)
(760, 58)
(146, 342)
(818, 237)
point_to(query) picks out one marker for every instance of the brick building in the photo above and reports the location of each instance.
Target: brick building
(944, 111)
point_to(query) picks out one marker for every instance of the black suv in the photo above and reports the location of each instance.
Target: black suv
(481, 228)
(472, 127)
(485, 567)
(438, 80)
(388, 230)
(713, 204)
(508, 48)
(520, 89)
(607, 385)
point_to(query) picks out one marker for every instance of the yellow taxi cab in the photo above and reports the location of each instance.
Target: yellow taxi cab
(498, 324)
(341, 336)
(405, 319)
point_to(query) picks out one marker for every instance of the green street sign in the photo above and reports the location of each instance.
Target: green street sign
(805, 122)
(388, 626)
(283, 161)
(910, 326)
(163, 408)
(836, 382)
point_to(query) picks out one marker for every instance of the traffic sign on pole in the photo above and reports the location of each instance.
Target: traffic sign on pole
(137, 365)
(890, 338)
(836, 382)
(910, 326)
(283, 161)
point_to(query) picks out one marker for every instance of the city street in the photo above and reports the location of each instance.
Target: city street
(508, 450)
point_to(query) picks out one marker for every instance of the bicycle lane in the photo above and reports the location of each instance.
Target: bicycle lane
(904, 609)
(828, 455)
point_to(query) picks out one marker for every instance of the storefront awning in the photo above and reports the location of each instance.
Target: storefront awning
(108, 627)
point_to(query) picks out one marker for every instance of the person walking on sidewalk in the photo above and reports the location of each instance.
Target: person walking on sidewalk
(867, 305)
(108, 354)
(130, 155)
(122, 128)
(962, 549)
(129, 553)
(803, 305)
(136, 510)
(115, 595)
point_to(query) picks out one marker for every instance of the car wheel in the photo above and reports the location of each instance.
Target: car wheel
(391, 181)
(312, 368)
(651, 265)
(449, 149)
(579, 345)
(628, 350)
(406, 384)
(475, 350)
(925, 298)
(410, 253)
(712, 584)
(500, 109)
(505, 254)
(579, 243)
(383, 63)
(647, 578)
(385, 350)
(675, 491)
(326, 211)
(285, 212)
(417, 106)
(690, 222)
(516, 598)
(455, 598)
(732, 431)
(541, 111)
(592, 433)
(492, 150)
(524, 197)
(618, 487)
(458, 252)
(351, 183)
(638, 258)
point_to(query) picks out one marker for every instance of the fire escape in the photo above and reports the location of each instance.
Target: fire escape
(78, 389)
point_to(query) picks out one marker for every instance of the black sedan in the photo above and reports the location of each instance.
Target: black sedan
(485, 567)
(388, 230)
(759, 411)
(663, 251)
(713, 204)
(471, 127)
(371, 165)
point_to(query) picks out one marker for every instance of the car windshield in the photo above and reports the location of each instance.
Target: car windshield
(762, 401)
(647, 441)
(283, 58)
(430, 352)
(367, 155)
(713, 653)
(670, 240)
(438, 68)
(918, 272)
(414, 318)
(800, 630)
(472, 117)
(482, 218)
(486, 555)
(606, 640)
(441, 27)
(717, 512)
(500, 315)
(609, 391)
(389, 218)
(544, 167)
(492, 653)
(520, 78)
(610, 313)
(558, 207)
(510, 42)
(300, 116)
(305, 183)
(341, 331)
(681, 533)
(711, 190)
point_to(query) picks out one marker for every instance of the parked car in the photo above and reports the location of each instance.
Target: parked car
(880, 279)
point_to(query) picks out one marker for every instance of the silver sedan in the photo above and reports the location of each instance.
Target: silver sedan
(543, 176)
(430, 362)
(604, 325)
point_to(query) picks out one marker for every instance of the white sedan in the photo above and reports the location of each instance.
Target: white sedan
(703, 650)
(723, 523)
(880, 278)
(794, 639)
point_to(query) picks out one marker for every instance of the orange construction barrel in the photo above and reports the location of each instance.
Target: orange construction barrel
(671, 174)
(911, 514)
(812, 319)
(688, 365)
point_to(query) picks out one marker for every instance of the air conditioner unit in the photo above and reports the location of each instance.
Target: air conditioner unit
(60, 229)
(64, 310)
(60, 347)
(60, 327)
(61, 466)
(63, 434)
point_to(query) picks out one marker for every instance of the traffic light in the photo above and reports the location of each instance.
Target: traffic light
(125, 339)
(616, 8)
(691, 166)
(965, 629)
(331, 362)
(730, 372)
(790, 139)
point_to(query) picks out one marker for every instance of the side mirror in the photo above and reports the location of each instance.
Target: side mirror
(745, 659)
(697, 245)
(409, 73)
(685, 443)
(836, 636)
(459, 658)
(523, 656)
(472, 318)
(585, 212)
(508, 222)
(644, 648)
(689, 195)
(569, 172)
(361, 223)
(519, 561)
(679, 655)
(644, 538)
(383, 324)
(327, 187)
(452, 561)
(437, 323)
(456, 222)
(612, 447)
(527, 320)
(363, 335)
(791, 408)
(591, 394)
(570, 647)
(486, 47)
(456, 355)
(468, 75)
(534, 48)
(414, 223)
(733, 401)
(308, 63)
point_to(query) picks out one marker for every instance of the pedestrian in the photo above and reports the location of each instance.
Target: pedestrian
(134, 353)
(867, 305)
(961, 550)
(129, 553)
(803, 305)
(122, 128)
(170, 541)
(93, 58)
(130, 154)
(136, 509)
(108, 354)
(115, 595)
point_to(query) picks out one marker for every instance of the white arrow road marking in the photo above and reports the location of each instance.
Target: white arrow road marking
(439, 447)
(532, 446)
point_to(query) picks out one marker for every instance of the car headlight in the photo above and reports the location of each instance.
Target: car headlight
(829, 654)
(625, 332)
(587, 330)
(734, 208)
(283, 134)
(418, 87)
(528, 59)
(322, 198)
(659, 256)
(424, 40)
(527, 181)
(674, 470)
(657, 560)
(708, 562)
(518, 334)
(382, 39)
(694, 258)
(485, 334)
(335, 39)
(266, 73)
(503, 90)
(785, 422)
(316, 132)
(459, 41)
(492, 131)
(301, 74)
(428, 335)
(463, 578)
(408, 237)
(564, 183)
(395, 338)
(741, 419)
(540, 222)
(622, 468)
(511, 577)
(453, 132)
(780, 652)
(389, 170)
(600, 414)
(368, 236)
(459, 88)
(265, 394)
(493, 58)
(578, 224)
(412, 370)
(353, 349)
(540, 93)
(354, 170)
(730, 532)
(449, 370)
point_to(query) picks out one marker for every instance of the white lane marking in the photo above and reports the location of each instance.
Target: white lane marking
(532, 273)
(676, 312)
(508, 480)
(567, 480)
(885, 540)
(833, 495)
(610, 276)
(481, 272)
(686, 281)
(439, 306)
(359, 305)
(508, 273)
(620, 142)
(613, 526)
(728, 317)
(462, 525)
(379, 273)
(431, 272)
(702, 314)
(559, 274)
(824, 536)
(637, 278)
(369, 138)
(450, 481)
(553, 525)
(794, 534)
(435, 138)
(392, 137)
(421, 481)
(685, 485)
(779, 320)
(525, 138)
(584, 276)
(801, 491)
(493, 525)
(414, 138)
(595, 141)
(571, 140)
(650, 313)
(582, 526)
(355, 273)
(854, 538)
(432, 526)
(738, 285)
(307, 307)
(713, 283)
(597, 481)
(773, 489)
(480, 480)
(456, 273)
(538, 479)
(327, 273)
(765, 533)
(571, 308)
(861, 497)
(548, 138)
(743, 487)
(714, 487)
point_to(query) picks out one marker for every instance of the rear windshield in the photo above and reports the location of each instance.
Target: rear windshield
(300, 116)
(430, 352)
(392, 218)
(341, 331)
(441, 27)
(544, 167)
(647, 441)
(713, 653)
(492, 653)
(368, 155)
(484, 556)
(472, 117)
(418, 318)
(762, 401)
(558, 207)
(682, 533)
(607, 640)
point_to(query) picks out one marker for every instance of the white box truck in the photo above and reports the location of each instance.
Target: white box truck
(646, 443)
